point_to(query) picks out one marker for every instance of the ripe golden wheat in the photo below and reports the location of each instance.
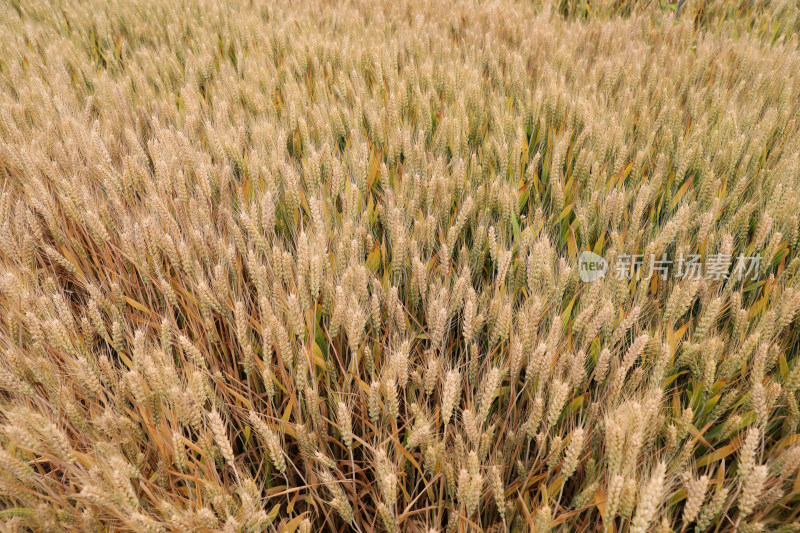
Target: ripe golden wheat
(314, 265)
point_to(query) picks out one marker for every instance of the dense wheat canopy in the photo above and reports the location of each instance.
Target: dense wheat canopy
(315, 266)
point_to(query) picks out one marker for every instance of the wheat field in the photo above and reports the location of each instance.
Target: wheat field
(416, 266)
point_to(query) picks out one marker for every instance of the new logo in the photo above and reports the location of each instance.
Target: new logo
(591, 266)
